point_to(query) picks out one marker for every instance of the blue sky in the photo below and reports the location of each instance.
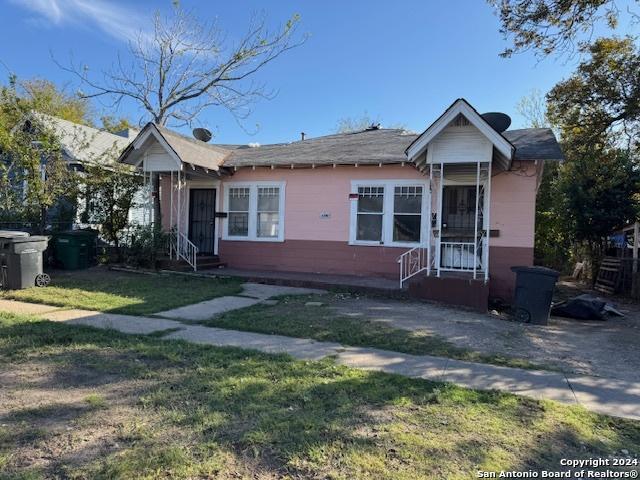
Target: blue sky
(402, 61)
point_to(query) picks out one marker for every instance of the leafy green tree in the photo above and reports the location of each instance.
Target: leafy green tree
(45, 97)
(601, 100)
(553, 26)
(552, 240)
(35, 176)
(109, 193)
(598, 193)
(597, 111)
(113, 124)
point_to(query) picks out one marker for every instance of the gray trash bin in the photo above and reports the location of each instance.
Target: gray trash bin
(5, 238)
(534, 292)
(21, 260)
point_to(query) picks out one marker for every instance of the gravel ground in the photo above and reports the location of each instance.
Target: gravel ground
(601, 348)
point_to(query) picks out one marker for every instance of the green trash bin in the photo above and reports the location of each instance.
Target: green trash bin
(75, 249)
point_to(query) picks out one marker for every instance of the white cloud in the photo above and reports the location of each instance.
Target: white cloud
(117, 21)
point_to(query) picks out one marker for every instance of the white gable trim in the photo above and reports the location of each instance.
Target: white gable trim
(143, 136)
(460, 106)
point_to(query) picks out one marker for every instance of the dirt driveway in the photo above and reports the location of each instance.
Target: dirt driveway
(603, 348)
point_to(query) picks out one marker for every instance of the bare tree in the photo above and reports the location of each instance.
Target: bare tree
(357, 124)
(533, 108)
(185, 66)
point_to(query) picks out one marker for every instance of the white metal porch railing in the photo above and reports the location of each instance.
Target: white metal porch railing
(413, 262)
(182, 248)
(459, 256)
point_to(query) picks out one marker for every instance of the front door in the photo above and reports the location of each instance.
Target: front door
(202, 212)
(457, 239)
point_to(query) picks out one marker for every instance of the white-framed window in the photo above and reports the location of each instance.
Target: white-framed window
(407, 213)
(238, 211)
(255, 211)
(370, 213)
(389, 212)
(268, 210)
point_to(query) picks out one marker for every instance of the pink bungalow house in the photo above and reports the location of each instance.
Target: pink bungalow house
(446, 213)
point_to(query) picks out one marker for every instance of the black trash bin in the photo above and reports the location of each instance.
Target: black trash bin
(21, 259)
(534, 292)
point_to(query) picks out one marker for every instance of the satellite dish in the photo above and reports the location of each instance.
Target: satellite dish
(202, 134)
(499, 121)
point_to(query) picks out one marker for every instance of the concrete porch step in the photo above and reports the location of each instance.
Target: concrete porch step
(204, 262)
(454, 288)
(335, 282)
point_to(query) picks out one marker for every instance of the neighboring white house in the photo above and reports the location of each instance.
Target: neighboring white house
(83, 145)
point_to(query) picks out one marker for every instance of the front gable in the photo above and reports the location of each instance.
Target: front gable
(459, 135)
(460, 142)
(151, 151)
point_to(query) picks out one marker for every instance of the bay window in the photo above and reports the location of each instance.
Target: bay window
(255, 211)
(388, 212)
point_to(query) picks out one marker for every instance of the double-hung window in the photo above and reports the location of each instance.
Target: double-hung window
(255, 211)
(370, 214)
(238, 201)
(388, 212)
(407, 213)
(268, 211)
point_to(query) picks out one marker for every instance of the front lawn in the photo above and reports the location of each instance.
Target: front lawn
(82, 403)
(292, 317)
(127, 293)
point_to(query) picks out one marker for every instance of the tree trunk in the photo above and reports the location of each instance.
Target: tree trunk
(43, 220)
(595, 249)
(116, 244)
(156, 201)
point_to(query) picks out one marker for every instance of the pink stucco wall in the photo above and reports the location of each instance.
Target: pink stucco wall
(311, 192)
(513, 206)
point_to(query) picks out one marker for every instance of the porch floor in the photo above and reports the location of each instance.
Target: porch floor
(314, 280)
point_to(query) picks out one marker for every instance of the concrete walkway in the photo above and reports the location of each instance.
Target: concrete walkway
(611, 397)
(252, 293)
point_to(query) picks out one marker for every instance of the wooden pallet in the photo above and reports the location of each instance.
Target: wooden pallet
(609, 275)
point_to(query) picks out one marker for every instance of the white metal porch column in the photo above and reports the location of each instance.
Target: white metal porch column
(487, 222)
(438, 240)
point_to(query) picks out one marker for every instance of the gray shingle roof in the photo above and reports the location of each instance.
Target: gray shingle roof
(534, 144)
(368, 146)
(364, 147)
(194, 151)
(377, 146)
(83, 143)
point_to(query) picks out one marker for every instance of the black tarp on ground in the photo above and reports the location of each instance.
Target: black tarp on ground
(585, 307)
